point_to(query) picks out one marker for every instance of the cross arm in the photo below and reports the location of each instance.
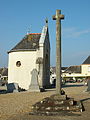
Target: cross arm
(54, 17)
(60, 16)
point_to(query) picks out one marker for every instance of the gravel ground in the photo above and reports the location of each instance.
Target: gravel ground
(16, 106)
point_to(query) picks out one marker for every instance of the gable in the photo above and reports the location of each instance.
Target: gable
(87, 61)
(44, 35)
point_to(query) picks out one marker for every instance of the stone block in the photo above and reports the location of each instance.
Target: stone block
(12, 87)
(58, 102)
(71, 102)
(59, 97)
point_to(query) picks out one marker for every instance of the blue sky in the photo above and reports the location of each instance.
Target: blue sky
(16, 16)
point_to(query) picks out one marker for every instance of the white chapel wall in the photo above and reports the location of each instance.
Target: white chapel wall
(22, 74)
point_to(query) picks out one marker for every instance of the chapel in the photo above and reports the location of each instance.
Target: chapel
(32, 53)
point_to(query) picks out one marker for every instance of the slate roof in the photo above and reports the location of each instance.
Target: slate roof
(73, 69)
(29, 42)
(87, 61)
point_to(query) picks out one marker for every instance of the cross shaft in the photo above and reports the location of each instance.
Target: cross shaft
(58, 18)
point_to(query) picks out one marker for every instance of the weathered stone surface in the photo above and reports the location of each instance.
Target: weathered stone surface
(34, 86)
(59, 102)
(53, 106)
(71, 102)
(88, 89)
(58, 18)
(59, 97)
(12, 87)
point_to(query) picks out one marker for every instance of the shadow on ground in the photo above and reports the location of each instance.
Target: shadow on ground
(73, 85)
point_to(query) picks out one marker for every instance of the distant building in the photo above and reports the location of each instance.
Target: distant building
(82, 70)
(86, 67)
(3, 76)
(53, 74)
(4, 73)
(32, 52)
(53, 69)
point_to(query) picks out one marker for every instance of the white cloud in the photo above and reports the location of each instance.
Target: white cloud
(74, 32)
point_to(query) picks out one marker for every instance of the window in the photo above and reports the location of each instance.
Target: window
(18, 63)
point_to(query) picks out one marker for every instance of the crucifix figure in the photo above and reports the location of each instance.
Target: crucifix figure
(58, 18)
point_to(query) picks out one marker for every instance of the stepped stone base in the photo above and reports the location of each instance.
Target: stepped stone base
(56, 105)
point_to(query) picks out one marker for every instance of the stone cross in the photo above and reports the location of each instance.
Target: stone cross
(58, 18)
